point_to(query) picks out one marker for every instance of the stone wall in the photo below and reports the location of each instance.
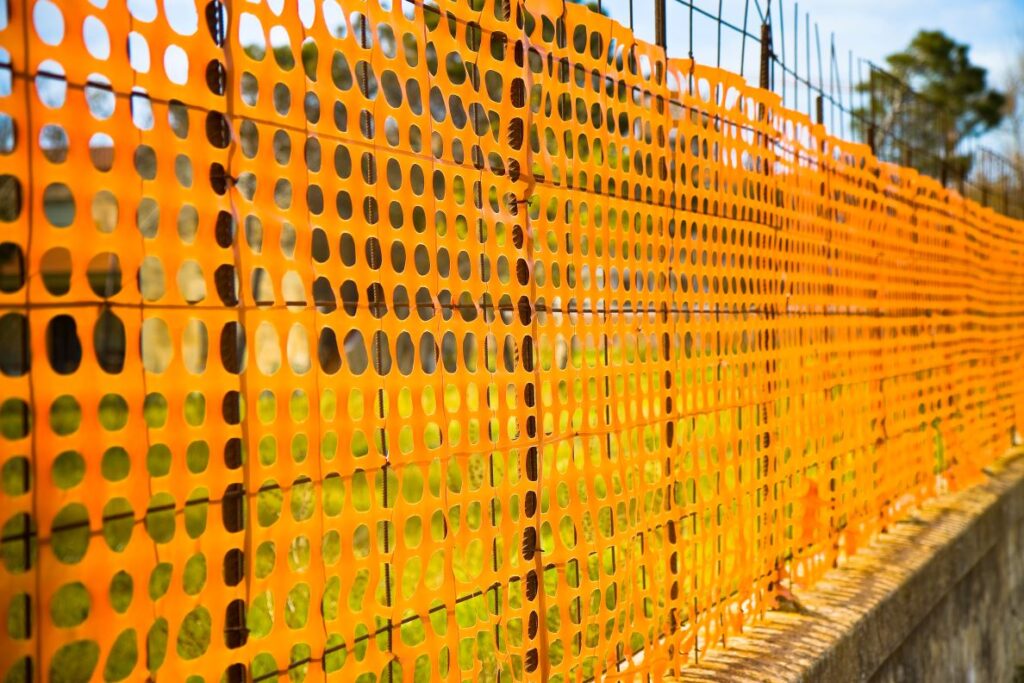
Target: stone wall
(939, 598)
(975, 631)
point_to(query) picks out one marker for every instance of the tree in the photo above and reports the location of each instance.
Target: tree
(930, 100)
(1014, 114)
(592, 5)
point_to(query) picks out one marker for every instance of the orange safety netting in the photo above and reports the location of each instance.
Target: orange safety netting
(386, 340)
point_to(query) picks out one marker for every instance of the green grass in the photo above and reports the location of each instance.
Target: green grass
(364, 493)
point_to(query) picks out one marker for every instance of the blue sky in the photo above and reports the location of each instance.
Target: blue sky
(871, 28)
(993, 28)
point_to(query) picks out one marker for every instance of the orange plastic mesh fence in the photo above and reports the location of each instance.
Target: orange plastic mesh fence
(386, 340)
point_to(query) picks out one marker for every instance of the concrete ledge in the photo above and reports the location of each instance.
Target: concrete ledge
(939, 597)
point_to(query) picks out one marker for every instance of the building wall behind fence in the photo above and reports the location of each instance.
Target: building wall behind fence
(414, 343)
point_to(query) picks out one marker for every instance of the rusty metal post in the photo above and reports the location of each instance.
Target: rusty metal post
(873, 108)
(660, 33)
(766, 56)
(986, 178)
